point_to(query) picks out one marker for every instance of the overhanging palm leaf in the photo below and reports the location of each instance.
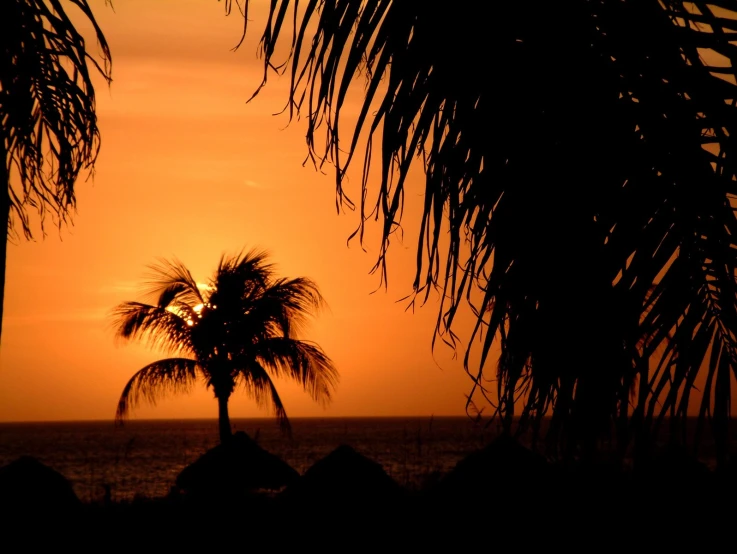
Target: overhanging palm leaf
(240, 330)
(49, 128)
(581, 154)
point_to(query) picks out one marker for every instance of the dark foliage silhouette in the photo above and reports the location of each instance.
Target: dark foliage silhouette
(581, 155)
(241, 330)
(49, 128)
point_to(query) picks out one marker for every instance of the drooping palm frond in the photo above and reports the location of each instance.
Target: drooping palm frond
(48, 124)
(257, 383)
(47, 105)
(301, 361)
(581, 155)
(156, 381)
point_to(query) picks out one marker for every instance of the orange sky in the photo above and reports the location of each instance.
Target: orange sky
(188, 169)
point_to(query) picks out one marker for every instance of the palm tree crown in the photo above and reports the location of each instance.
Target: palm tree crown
(238, 330)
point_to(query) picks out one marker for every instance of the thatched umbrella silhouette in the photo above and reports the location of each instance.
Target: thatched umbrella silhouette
(345, 475)
(351, 491)
(496, 482)
(28, 484)
(503, 461)
(235, 467)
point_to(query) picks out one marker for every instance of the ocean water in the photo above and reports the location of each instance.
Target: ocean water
(144, 457)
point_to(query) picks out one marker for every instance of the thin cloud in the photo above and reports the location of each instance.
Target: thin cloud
(120, 286)
(71, 316)
(254, 184)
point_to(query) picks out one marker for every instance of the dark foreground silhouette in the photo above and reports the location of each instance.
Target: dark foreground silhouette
(239, 496)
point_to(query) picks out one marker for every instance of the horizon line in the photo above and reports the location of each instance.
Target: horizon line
(215, 419)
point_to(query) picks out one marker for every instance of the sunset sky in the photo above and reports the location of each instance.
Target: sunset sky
(189, 169)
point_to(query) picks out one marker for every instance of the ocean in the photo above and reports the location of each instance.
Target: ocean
(143, 458)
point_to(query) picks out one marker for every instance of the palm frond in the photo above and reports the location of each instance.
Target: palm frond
(301, 361)
(254, 303)
(172, 286)
(157, 327)
(237, 275)
(157, 380)
(257, 383)
(47, 106)
(585, 176)
(284, 306)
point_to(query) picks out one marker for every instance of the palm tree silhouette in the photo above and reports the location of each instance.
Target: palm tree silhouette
(582, 157)
(239, 330)
(47, 110)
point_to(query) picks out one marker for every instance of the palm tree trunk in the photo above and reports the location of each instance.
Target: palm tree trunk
(224, 419)
(4, 220)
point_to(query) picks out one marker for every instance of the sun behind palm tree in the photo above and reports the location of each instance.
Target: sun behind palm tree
(238, 330)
